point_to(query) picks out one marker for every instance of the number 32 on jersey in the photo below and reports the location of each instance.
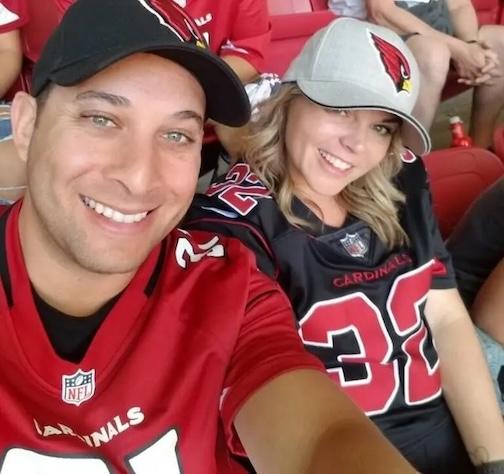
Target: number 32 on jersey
(356, 313)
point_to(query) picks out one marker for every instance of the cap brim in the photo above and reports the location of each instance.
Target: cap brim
(344, 95)
(227, 101)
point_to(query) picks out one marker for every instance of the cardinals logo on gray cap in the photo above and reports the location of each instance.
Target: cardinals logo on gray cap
(395, 64)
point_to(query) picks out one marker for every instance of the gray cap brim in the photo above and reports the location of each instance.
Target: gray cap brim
(345, 95)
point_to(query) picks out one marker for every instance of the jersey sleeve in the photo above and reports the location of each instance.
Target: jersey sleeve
(207, 213)
(250, 33)
(267, 346)
(13, 15)
(415, 184)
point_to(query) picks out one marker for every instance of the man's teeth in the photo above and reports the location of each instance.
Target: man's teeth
(336, 162)
(113, 214)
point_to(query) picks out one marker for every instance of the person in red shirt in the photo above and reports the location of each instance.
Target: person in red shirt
(13, 16)
(126, 344)
(237, 30)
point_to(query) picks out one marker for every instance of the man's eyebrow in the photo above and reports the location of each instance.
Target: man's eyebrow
(188, 115)
(106, 96)
(123, 101)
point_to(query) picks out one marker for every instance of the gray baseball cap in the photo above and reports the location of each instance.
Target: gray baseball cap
(353, 64)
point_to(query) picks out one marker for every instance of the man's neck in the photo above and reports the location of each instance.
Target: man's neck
(61, 282)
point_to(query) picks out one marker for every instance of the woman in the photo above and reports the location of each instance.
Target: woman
(339, 212)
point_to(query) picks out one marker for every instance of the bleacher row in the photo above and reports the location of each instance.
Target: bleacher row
(457, 175)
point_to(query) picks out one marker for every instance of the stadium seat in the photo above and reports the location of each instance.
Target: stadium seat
(318, 5)
(457, 176)
(289, 33)
(283, 7)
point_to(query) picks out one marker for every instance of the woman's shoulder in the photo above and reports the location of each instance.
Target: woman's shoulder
(413, 175)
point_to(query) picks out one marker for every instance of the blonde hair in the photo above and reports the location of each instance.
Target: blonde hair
(372, 198)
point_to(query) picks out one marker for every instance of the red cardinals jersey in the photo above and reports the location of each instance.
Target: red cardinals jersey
(231, 27)
(234, 27)
(13, 15)
(197, 331)
(360, 306)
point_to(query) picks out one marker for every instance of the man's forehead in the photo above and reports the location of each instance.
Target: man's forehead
(140, 75)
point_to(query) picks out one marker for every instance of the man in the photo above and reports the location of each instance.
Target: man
(127, 345)
(444, 32)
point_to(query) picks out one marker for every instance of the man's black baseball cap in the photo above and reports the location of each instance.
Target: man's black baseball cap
(94, 34)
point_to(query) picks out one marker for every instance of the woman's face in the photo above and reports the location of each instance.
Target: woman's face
(329, 148)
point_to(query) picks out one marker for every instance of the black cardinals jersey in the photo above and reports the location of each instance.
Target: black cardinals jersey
(359, 305)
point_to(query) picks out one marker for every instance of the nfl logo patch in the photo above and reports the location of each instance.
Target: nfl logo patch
(77, 388)
(354, 245)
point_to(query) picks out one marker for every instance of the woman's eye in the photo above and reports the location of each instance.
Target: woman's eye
(383, 130)
(340, 112)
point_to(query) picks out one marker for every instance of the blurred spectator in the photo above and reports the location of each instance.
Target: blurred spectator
(440, 33)
(488, 315)
(477, 243)
(13, 15)
(477, 247)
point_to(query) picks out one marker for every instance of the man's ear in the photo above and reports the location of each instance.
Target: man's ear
(23, 118)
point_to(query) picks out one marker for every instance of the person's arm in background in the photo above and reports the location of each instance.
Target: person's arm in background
(462, 365)
(13, 16)
(248, 40)
(465, 26)
(11, 59)
(300, 423)
(470, 58)
(487, 311)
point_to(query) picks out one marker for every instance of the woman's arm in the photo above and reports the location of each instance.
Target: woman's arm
(11, 58)
(466, 381)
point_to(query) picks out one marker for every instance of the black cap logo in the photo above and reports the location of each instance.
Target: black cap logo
(172, 16)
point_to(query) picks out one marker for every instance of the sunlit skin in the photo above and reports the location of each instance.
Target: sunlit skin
(129, 138)
(354, 140)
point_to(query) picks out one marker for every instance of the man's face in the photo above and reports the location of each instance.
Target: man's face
(113, 162)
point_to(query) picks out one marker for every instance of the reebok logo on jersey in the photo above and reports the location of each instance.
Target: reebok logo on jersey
(79, 387)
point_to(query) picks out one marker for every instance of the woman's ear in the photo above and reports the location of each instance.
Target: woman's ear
(23, 118)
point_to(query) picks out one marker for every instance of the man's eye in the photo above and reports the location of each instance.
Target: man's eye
(177, 137)
(100, 121)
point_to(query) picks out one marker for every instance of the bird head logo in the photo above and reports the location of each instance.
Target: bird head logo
(395, 63)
